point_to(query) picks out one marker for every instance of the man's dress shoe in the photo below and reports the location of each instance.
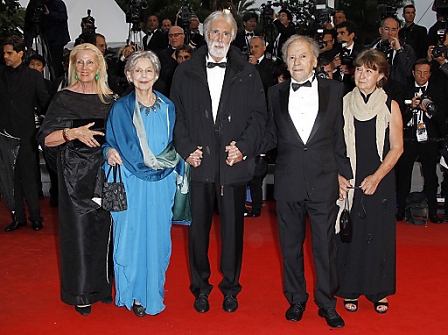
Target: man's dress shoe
(230, 304)
(295, 312)
(84, 311)
(15, 225)
(201, 304)
(36, 225)
(332, 317)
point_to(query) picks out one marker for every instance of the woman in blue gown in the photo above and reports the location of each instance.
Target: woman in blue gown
(138, 138)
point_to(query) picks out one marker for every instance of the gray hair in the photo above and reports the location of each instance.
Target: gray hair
(216, 15)
(261, 38)
(313, 45)
(136, 56)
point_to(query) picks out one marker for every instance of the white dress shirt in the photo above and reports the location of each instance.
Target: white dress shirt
(215, 79)
(303, 106)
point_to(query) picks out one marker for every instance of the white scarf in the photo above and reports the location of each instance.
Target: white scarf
(356, 108)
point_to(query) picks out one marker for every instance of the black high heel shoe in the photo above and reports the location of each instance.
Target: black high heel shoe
(139, 310)
(84, 310)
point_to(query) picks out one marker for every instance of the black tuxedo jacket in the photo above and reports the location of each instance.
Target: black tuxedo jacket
(348, 80)
(309, 170)
(158, 42)
(240, 40)
(435, 126)
(266, 70)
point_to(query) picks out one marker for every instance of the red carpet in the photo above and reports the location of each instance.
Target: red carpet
(30, 304)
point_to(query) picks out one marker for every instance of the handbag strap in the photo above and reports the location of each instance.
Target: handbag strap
(116, 168)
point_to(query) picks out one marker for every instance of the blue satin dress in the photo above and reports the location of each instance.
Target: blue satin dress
(142, 240)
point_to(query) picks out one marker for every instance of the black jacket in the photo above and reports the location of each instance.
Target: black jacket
(18, 102)
(435, 126)
(309, 170)
(241, 117)
(158, 42)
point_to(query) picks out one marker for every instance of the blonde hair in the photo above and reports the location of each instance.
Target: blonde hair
(104, 92)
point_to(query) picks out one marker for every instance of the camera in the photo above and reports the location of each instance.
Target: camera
(134, 13)
(184, 15)
(321, 73)
(386, 11)
(319, 38)
(384, 46)
(440, 48)
(344, 55)
(267, 12)
(429, 104)
(35, 10)
(88, 24)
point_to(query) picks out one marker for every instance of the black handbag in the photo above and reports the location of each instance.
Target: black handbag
(345, 224)
(114, 194)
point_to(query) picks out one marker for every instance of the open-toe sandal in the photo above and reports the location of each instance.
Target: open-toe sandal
(381, 303)
(351, 305)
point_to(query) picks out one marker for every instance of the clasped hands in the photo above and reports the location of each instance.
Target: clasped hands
(234, 155)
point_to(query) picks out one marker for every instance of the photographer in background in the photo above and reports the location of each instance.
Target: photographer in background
(327, 44)
(348, 50)
(423, 121)
(244, 37)
(55, 29)
(285, 27)
(400, 56)
(325, 68)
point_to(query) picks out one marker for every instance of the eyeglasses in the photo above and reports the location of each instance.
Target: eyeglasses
(175, 35)
(139, 72)
(215, 34)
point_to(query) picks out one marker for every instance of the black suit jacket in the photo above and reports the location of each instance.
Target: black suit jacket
(18, 101)
(348, 80)
(286, 32)
(266, 70)
(435, 126)
(240, 40)
(158, 42)
(415, 36)
(309, 170)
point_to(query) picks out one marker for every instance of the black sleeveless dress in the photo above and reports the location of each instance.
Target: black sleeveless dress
(366, 265)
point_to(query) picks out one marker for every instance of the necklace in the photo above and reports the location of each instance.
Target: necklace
(152, 106)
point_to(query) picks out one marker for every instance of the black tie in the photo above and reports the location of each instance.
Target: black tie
(296, 86)
(211, 65)
(418, 89)
(250, 34)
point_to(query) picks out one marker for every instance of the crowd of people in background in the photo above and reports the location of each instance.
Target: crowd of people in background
(341, 121)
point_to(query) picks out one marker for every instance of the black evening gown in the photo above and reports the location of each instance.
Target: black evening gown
(366, 265)
(84, 228)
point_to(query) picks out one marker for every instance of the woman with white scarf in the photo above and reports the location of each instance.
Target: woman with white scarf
(374, 138)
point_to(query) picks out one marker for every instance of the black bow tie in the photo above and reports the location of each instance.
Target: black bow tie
(417, 89)
(296, 86)
(211, 65)
(250, 34)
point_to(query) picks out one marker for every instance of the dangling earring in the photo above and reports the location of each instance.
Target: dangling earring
(76, 77)
(97, 76)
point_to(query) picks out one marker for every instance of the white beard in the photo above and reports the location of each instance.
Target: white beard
(220, 52)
